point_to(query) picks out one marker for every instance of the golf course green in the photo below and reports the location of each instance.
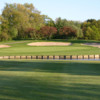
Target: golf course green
(21, 48)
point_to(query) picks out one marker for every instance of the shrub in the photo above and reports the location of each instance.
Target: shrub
(47, 32)
(67, 32)
(30, 33)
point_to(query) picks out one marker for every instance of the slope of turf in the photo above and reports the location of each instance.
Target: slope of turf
(49, 80)
(21, 48)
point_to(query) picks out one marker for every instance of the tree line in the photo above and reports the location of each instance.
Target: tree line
(24, 21)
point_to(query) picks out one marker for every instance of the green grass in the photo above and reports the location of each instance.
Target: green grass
(49, 80)
(21, 48)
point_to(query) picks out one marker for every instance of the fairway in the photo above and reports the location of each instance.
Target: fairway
(21, 48)
(49, 80)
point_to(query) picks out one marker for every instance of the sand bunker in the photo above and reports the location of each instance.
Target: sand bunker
(4, 46)
(93, 44)
(49, 44)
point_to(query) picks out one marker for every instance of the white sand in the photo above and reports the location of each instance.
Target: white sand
(93, 44)
(49, 44)
(4, 46)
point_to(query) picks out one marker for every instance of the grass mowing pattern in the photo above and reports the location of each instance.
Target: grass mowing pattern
(49, 80)
(23, 49)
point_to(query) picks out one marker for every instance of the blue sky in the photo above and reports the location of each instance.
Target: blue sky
(79, 10)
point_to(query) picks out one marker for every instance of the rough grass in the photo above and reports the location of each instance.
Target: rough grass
(49, 80)
(21, 48)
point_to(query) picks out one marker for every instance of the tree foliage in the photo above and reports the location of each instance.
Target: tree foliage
(24, 21)
(30, 33)
(17, 18)
(91, 29)
(4, 36)
(47, 32)
(60, 23)
(67, 32)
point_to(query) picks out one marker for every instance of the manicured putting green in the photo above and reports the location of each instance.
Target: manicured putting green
(21, 48)
(49, 80)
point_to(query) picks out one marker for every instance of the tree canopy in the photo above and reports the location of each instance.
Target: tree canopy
(24, 21)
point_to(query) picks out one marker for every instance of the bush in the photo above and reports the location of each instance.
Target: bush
(47, 32)
(30, 33)
(67, 32)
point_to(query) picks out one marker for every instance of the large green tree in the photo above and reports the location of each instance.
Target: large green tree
(20, 17)
(60, 23)
(91, 29)
(0, 24)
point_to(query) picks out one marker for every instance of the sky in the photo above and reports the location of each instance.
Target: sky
(77, 10)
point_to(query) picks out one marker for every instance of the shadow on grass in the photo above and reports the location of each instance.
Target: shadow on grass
(74, 68)
(22, 88)
(19, 82)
